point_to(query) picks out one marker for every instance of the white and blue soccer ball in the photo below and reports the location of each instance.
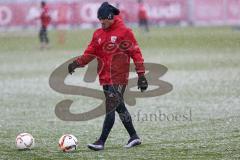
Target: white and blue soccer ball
(25, 141)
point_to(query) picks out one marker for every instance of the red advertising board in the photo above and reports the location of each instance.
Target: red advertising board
(85, 12)
(159, 11)
(233, 11)
(208, 11)
(226, 12)
(167, 10)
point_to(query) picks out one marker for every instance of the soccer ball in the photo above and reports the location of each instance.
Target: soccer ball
(24, 141)
(68, 143)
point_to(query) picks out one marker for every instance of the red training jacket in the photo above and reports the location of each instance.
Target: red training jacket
(142, 12)
(45, 17)
(113, 48)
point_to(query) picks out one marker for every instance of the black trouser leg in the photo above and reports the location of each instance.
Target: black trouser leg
(146, 26)
(111, 103)
(46, 37)
(114, 101)
(43, 35)
(107, 125)
(126, 119)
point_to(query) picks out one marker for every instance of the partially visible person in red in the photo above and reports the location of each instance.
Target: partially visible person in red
(113, 45)
(142, 16)
(45, 20)
(62, 22)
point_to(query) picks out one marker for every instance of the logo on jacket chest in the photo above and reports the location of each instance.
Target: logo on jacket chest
(113, 39)
(109, 44)
(99, 40)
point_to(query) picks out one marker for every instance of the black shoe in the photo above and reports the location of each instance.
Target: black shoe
(133, 141)
(96, 146)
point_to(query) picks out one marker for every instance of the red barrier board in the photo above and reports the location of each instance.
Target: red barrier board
(85, 12)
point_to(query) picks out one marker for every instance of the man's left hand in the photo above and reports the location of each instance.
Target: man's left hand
(142, 83)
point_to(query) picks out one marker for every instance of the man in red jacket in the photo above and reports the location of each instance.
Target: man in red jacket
(142, 16)
(45, 20)
(113, 45)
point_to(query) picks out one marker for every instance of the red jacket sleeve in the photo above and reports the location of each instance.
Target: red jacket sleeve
(88, 55)
(135, 54)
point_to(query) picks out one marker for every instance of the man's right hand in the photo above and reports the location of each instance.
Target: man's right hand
(72, 66)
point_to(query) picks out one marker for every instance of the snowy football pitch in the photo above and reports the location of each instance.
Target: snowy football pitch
(203, 67)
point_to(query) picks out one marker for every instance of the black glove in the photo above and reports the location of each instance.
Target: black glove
(72, 66)
(142, 83)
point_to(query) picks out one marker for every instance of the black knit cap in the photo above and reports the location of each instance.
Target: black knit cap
(107, 11)
(43, 3)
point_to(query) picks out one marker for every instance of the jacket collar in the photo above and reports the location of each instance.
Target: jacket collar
(118, 22)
